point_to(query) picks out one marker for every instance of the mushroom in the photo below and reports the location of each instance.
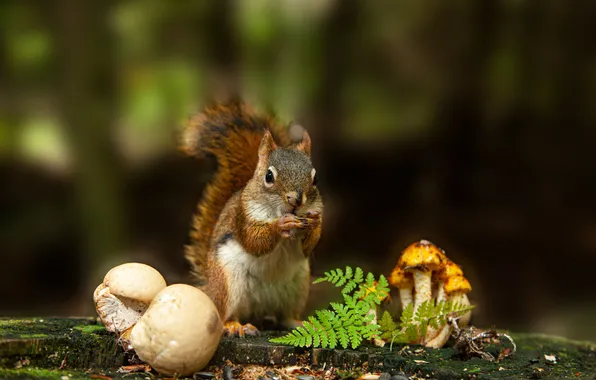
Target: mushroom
(453, 286)
(421, 259)
(125, 295)
(180, 331)
(423, 270)
(455, 289)
(175, 329)
(449, 270)
(404, 283)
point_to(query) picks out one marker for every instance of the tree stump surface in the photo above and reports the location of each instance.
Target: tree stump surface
(56, 348)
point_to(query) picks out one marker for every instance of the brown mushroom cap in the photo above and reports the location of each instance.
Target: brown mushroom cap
(400, 279)
(457, 284)
(450, 269)
(422, 255)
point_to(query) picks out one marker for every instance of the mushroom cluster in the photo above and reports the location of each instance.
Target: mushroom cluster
(424, 273)
(175, 329)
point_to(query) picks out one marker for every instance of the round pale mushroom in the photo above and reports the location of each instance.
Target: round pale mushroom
(180, 331)
(125, 295)
(421, 259)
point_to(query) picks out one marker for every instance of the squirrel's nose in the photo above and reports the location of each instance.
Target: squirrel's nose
(294, 198)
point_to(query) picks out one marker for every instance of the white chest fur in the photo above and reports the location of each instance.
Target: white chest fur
(268, 285)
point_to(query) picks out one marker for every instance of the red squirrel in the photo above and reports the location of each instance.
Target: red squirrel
(259, 219)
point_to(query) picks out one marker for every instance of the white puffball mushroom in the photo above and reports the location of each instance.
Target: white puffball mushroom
(125, 294)
(179, 332)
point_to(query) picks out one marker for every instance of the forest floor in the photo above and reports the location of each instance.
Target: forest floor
(67, 348)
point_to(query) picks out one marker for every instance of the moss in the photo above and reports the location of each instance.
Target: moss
(41, 374)
(33, 336)
(83, 344)
(48, 342)
(56, 374)
(15, 328)
(573, 357)
(90, 329)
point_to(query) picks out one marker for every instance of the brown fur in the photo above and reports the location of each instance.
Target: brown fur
(232, 134)
(237, 204)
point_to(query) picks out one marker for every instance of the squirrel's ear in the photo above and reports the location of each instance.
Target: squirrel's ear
(267, 145)
(304, 145)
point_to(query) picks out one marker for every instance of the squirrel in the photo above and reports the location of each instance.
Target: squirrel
(259, 219)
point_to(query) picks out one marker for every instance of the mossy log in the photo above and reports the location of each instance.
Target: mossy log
(78, 348)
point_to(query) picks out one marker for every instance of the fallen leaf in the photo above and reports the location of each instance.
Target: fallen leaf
(552, 359)
(369, 376)
(135, 368)
(420, 362)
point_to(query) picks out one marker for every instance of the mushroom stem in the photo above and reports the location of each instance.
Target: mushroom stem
(406, 297)
(462, 299)
(376, 340)
(441, 295)
(438, 339)
(432, 333)
(441, 338)
(422, 284)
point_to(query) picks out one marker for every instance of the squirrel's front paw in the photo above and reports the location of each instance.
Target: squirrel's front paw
(311, 219)
(288, 222)
(235, 328)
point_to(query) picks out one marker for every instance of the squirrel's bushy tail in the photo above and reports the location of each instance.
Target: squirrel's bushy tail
(231, 133)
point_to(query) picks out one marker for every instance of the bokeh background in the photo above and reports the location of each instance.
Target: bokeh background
(468, 123)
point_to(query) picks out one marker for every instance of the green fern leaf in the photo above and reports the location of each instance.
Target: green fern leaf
(332, 338)
(344, 339)
(422, 329)
(370, 330)
(337, 307)
(358, 275)
(341, 280)
(349, 323)
(424, 311)
(350, 286)
(407, 315)
(386, 323)
(355, 337)
(349, 273)
(435, 323)
(411, 331)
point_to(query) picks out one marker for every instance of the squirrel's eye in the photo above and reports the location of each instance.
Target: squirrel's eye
(269, 177)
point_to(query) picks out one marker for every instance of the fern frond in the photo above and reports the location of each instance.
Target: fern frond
(407, 314)
(355, 336)
(349, 323)
(387, 326)
(343, 336)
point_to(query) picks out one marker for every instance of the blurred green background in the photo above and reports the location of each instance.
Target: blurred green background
(468, 123)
